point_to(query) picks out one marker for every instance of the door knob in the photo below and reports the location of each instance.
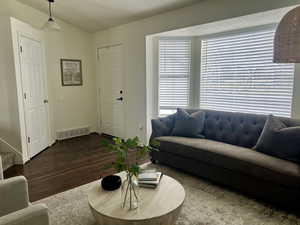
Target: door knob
(46, 101)
(120, 99)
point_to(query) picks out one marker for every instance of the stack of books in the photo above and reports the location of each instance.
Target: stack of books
(149, 178)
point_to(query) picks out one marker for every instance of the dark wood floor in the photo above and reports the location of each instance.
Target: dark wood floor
(65, 165)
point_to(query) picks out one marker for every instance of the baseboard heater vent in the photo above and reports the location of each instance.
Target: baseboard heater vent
(77, 132)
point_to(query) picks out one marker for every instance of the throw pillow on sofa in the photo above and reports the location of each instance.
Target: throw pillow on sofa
(189, 125)
(162, 126)
(279, 140)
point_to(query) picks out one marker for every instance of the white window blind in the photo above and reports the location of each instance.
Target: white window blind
(238, 74)
(174, 74)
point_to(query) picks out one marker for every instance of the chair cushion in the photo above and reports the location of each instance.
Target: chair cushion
(189, 125)
(234, 158)
(279, 140)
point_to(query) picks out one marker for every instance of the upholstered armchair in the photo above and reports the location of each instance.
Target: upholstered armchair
(15, 208)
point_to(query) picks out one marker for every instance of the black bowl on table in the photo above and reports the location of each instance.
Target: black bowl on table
(111, 183)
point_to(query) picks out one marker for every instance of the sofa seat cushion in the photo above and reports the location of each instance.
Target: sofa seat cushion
(235, 158)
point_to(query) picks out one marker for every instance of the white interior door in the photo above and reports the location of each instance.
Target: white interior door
(35, 102)
(111, 91)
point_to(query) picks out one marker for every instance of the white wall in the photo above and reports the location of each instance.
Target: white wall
(9, 120)
(70, 107)
(133, 36)
(75, 106)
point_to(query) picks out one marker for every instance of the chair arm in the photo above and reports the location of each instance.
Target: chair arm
(32, 215)
(13, 195)
(1, 169)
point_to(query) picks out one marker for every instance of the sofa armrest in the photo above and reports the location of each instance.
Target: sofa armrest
(14, 195)
(32, 215)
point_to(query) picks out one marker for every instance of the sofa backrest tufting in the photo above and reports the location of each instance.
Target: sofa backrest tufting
(234, 128)
(242, 129)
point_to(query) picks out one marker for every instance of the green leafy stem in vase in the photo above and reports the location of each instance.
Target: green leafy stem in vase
(122, 148)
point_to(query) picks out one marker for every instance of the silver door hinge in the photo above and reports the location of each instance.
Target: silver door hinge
(28, 139)
(21, 49)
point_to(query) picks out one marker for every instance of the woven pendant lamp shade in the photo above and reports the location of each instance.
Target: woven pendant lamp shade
(287, 38)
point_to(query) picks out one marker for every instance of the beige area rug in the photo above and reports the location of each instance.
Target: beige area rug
(205, 204)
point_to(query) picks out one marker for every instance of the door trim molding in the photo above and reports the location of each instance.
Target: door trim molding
(98, 85)
(18, 29)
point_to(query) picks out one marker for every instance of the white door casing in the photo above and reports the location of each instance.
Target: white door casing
(34, 91)
(111, 101)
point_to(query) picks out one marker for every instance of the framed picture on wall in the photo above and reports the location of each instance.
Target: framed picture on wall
(71, 72)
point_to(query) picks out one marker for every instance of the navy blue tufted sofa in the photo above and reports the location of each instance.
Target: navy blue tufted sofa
(226, 156)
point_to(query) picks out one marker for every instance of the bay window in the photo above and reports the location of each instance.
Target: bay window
(237, 74)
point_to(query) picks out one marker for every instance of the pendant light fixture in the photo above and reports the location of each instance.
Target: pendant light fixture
(51, 24)
(287, 38)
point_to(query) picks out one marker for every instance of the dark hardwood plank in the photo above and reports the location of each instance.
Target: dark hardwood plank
(65, 165)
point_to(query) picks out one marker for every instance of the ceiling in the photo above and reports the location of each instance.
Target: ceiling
(94, 15)
(230, 25)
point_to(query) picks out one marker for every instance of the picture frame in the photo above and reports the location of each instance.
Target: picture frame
(71, 72)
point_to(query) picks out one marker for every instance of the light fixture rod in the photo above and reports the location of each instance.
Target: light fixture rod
(51, 24)
(50, 10)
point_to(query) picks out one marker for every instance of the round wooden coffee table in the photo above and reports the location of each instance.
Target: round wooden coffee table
(160, 206)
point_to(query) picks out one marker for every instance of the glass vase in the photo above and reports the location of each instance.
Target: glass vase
(130, 198)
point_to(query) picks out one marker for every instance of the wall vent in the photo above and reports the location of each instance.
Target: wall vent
(76, 132)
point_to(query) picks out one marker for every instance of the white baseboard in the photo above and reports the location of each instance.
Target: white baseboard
(6, 147)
